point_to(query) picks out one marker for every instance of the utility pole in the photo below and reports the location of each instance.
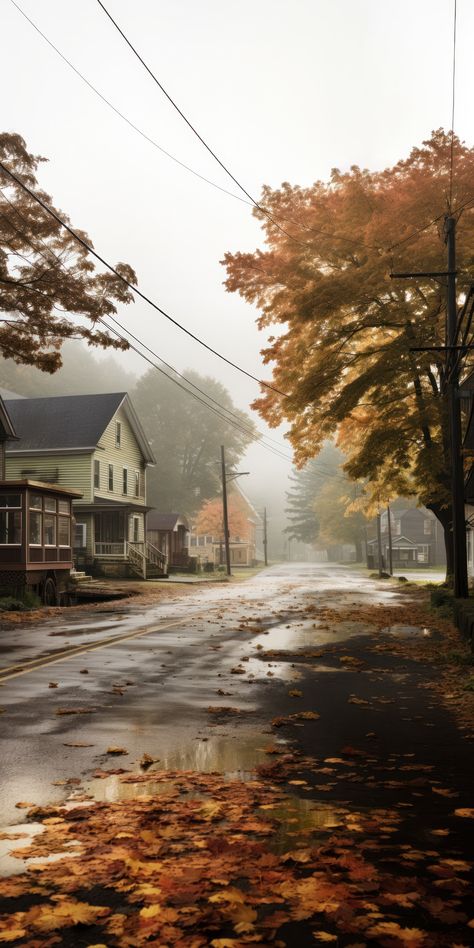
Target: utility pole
(451, 347)
(225, 512)
(379, 545)
(390, 555)
(265, 536)
(461, 590)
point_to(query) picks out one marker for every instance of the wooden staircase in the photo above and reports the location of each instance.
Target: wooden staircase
(146, 560)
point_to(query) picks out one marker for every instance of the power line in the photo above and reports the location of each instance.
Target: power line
(245, 430)
(121, 115)
(250, 201)
(132, 286)
(208, 148)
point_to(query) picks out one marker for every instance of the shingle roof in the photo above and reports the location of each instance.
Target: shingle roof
(61, 421)
(164, 521)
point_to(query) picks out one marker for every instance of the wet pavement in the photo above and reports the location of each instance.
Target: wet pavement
(150, 693)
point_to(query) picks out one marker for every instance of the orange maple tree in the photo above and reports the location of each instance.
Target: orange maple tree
(346, 334)
(210, 519)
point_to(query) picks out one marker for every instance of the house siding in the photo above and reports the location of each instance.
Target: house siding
(68, 470)
(128, 456)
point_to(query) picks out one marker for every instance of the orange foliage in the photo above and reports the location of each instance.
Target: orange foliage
(210, 519)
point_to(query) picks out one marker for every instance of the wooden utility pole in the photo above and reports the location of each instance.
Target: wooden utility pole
(265, 536)
(225, 512)
(379, 545)
(461, 590)
(390, 554)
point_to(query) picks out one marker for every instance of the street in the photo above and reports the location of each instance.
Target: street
(286, 672)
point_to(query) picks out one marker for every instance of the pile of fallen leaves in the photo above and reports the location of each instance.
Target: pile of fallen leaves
(202, 861)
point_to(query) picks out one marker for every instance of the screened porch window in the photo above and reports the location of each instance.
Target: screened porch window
(10, 520)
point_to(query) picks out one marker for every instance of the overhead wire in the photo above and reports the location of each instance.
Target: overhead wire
(131, 286)
(121, 115)
(238, 422)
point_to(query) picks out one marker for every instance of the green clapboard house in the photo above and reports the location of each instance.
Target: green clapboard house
(94, 444)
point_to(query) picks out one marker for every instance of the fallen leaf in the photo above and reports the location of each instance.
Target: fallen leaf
(116, 751)
(466, 812)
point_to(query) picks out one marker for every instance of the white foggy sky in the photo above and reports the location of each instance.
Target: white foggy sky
(281, 91)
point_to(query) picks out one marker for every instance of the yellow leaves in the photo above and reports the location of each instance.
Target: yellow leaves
(298, 855)
(355, 700)
(12, 934)
(295, 693)
(116, 751)
(410, 937)
(230, 895)
(150, 911)
(444, 792)
(64, 914)
(466, 812)
(324, 936)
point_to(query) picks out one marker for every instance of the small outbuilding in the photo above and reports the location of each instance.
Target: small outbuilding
(169, 532)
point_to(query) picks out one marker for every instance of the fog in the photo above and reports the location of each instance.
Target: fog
(281, 91)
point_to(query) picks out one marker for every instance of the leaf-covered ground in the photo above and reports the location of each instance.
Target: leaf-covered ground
(355, 832)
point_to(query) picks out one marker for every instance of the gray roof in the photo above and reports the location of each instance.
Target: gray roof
(69, 422)
(165, 521)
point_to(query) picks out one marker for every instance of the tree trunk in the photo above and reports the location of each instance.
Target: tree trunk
(444, 515)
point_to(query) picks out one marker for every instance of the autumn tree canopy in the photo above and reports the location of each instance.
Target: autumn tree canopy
(344, 332)
(50, 289)
(210, 519)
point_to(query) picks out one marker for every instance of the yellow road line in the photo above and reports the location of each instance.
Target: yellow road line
(23, 668)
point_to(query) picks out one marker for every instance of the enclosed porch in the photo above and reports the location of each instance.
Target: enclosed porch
(110, 540)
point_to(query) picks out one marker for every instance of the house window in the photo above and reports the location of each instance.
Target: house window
(96, 473)
(80, 536)
(118, 434)
(10, 519)
(397, 528)
(64, 531)
(423, 553)
(111, 477)
(36, 519)
(50, 504)
(49, 530)
(427, 527)
(35, 502)
(137, 483)
(124, 481)
(64, 507)
(193, 541)
(136, 529)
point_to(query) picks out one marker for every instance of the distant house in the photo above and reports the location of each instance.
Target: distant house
(245, 548)
(169, 532)
(417, 539)
(94, 444)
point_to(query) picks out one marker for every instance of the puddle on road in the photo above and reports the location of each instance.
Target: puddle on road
(14, 865)
(234, 758)
(309, 633)
(407, 631)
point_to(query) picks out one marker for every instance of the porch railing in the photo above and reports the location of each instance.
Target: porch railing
(118, 548)
(143, 555)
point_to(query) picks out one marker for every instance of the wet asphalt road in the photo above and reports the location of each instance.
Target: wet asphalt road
(150, 693)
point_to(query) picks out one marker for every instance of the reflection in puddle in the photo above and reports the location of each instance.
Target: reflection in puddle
(310, 633)
(14, 865)
(235, 759)
(299, 818)
(406, 631)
